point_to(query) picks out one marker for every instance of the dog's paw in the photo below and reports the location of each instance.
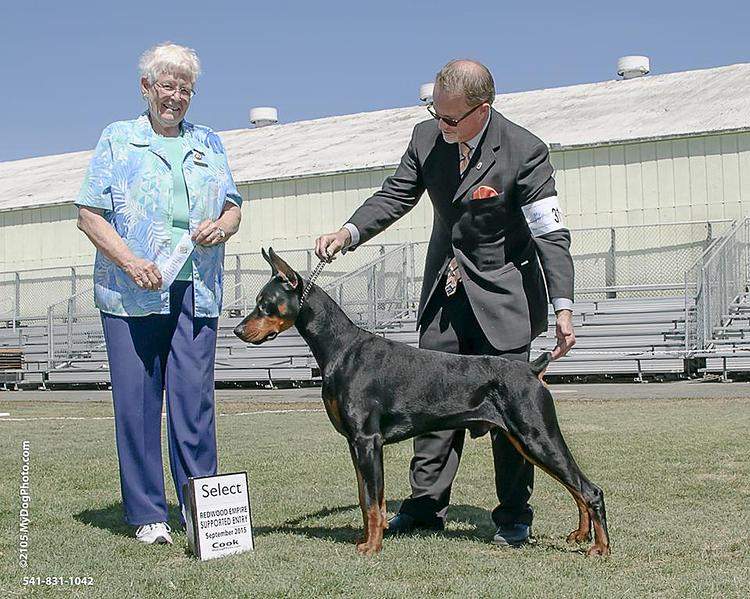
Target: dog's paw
(598, 551)
(579, 536)
(369, 549)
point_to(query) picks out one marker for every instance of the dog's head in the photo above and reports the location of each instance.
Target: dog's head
(277, 304)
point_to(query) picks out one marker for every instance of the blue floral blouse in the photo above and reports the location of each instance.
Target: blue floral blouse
(129, 178)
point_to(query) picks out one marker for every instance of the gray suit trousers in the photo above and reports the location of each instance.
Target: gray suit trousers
(449, 325)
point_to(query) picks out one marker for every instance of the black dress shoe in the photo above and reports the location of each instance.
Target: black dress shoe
(512, 535)
(404, 524)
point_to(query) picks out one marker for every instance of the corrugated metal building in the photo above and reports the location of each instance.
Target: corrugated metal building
(655, 149)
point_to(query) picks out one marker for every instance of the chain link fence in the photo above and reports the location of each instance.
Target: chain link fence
(381, 292)
(27, 294)
(639, 260)
(245, 274)
(626, 261)
(717, 281)
(73, 332)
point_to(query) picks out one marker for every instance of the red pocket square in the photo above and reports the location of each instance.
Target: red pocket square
(483, 192)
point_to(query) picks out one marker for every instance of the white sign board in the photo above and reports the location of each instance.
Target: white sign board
(218, 516)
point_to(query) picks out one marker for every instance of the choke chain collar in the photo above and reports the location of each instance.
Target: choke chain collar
(318, 269)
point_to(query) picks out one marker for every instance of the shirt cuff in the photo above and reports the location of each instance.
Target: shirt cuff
(562, 303)
(354, 232)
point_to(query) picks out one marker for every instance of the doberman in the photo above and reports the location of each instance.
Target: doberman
(377, 391)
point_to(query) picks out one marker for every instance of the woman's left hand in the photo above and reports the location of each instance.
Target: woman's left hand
(209, 233)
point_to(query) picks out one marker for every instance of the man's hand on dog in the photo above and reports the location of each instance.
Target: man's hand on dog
(327, 246)
(566, 337)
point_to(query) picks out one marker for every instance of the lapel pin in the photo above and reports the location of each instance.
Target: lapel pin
(479, 165)
(197, 155)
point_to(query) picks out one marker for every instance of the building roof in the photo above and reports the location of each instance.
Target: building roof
(655, 106)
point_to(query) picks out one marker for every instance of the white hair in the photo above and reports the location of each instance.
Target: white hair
(169, 58)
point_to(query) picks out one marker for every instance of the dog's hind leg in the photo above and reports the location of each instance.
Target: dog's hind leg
(367, 453)
(536, 435)
(581, 534)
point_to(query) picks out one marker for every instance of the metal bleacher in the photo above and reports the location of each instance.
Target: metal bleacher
(722, 327)
(634, 331)
(625, 336)
(729, 348)
(628, 336)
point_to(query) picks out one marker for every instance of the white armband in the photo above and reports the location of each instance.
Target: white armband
(544, 216)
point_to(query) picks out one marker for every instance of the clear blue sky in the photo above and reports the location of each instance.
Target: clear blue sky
(70, 68)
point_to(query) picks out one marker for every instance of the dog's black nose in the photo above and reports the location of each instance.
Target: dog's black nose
(238, 330)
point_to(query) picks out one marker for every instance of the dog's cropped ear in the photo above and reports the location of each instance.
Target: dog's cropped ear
(274, 270)
(283, 270)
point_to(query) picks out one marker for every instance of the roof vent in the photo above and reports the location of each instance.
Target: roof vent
(630, 67)
(425, 92)
(262, 116)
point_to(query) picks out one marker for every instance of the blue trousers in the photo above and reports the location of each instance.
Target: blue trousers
(148, 355)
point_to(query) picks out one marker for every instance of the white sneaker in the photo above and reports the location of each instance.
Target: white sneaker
(158, 532)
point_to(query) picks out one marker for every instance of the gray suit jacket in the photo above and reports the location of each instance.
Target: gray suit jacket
(498, 257)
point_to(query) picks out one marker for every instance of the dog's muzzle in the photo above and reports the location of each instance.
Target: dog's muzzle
(239, 330)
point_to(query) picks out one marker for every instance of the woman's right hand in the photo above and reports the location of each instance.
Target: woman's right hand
(144, 273)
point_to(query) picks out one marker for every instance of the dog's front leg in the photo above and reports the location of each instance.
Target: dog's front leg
(367, 454)
(360, 494)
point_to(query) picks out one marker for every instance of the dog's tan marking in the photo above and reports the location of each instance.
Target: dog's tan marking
(540, 376)
(373, 542)
(334, 414)
(259, 328)
(601, 540)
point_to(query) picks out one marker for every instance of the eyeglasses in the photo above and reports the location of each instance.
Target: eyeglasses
(448, 120)
(170, 88)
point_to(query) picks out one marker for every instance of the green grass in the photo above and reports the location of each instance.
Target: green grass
(675, 474)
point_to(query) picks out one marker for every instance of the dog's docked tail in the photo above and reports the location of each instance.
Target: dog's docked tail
(539, 365)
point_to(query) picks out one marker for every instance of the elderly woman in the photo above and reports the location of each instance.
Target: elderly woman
(159, 202)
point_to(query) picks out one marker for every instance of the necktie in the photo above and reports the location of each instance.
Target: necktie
(453, 276)
(464, 151)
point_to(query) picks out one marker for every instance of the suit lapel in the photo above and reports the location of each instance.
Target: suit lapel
(478, 166)
(443, 164)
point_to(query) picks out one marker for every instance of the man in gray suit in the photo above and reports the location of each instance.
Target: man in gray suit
(497, 235)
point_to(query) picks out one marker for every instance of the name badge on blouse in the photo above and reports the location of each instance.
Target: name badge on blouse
(171, 267)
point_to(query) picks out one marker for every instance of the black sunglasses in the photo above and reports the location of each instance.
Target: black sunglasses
(448, 120)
